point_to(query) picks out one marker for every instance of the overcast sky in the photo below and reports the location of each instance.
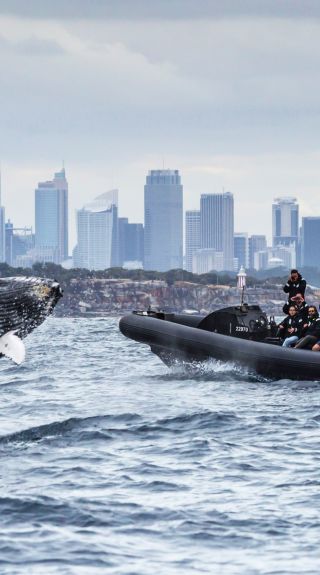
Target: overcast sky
(226, 92)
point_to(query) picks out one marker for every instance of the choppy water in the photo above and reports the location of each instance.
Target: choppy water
(112, 463)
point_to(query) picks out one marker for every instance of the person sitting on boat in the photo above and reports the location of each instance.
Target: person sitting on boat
(290, 329)
(296, 284)
(310, 330)
(302, 307)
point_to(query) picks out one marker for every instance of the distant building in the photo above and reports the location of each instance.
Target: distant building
(192, 234)
(217, 225)
(163, 219)
(241, 250)
(51, 219)
(131, 243)
(285, 221)
(20, 243)
(207, 260)
(97, 233)
(285, 225)
(2, 228)
(257, 243)
(2, 235)
(310, 239)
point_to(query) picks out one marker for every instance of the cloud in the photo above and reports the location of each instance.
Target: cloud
(220, 99)
(159, 9)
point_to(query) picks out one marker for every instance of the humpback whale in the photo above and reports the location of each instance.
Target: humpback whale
(25, 302)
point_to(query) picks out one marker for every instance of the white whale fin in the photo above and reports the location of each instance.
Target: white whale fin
(13, 347)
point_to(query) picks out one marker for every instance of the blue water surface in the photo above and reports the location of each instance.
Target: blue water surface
(113, 463)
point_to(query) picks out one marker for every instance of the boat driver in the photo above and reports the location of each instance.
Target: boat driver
(296, 284)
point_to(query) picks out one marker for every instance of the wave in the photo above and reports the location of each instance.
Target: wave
(108, 427)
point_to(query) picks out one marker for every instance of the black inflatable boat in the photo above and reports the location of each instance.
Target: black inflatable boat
(241, 334)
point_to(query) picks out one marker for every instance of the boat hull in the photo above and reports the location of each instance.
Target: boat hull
(185, 343)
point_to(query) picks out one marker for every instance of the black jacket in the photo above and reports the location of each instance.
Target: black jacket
(296, 322)
(292, 288)
(313, 327)
(302, 310)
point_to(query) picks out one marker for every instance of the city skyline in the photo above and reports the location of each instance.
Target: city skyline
(226, 92)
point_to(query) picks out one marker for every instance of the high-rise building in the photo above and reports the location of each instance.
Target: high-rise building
(217, 225)
(19, 246)
(241, 250)
(131, 243)
(192, 231)
(285, 221)
(257, 243)
(2, 228)
(163, 219)
(97, 233)
(310, 238)
(51, 219)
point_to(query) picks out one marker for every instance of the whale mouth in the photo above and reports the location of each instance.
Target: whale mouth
(25, 302)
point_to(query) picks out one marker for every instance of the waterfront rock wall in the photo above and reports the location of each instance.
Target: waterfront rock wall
(117, 296)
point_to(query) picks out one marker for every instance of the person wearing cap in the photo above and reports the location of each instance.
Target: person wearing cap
(296, 284)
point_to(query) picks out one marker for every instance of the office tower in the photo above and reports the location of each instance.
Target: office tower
(9, 243)
(97, 233)
(241, 249)
(122, 225)
(163, 213)
(20, 244)
(310, 239)
(207, 260)
(192, 240)
(257, 243)
(134, 244)
(131, 243)
(51, 219)
(217, 225)
(285, 222)
(2, 228)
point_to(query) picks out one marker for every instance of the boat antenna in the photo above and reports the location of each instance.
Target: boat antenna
(241, 283)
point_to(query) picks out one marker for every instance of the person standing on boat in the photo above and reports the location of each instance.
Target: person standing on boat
(290, 328)
(296, 284)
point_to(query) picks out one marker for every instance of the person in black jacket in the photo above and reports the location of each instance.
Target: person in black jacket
(290, 329)
(310, 331)
(302, 307)
(295, 285)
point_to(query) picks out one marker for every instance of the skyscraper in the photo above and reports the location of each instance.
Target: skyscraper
(163, 213)
(285, 221)
(51, 219)
(192, 236)
(97, 233)
(131, 242)
(217, 225)
(241, 249)
(2, 229)
(310, 237)
(257, 243)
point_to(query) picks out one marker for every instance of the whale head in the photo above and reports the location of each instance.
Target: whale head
(25, 302)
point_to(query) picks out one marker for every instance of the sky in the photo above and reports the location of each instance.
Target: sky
(225, 92)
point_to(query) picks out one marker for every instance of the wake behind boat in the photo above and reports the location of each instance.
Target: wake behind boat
(25, 302)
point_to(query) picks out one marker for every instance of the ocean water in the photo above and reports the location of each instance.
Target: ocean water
(113, 463)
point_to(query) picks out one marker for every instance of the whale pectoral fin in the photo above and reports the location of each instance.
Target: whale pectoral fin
(13, 347)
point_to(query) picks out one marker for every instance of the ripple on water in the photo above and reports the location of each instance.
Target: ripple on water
(112, 462)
